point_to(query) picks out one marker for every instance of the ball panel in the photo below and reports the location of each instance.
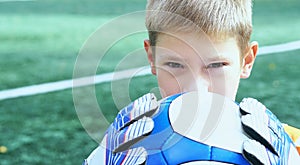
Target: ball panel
(155, 157)
(161, 118)
(205, 163)
(227, 156)
(179, 149)
(189, 116)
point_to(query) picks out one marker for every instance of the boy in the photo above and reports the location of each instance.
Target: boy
(197, 45)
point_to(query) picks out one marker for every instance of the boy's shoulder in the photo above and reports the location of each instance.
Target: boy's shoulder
(294, 133)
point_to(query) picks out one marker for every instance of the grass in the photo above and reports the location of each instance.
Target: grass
(273, 24)
(39, 131)
(73, 7)
(35, 44)
(40, 42)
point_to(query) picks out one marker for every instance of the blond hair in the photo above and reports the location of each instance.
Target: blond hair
(219, 19)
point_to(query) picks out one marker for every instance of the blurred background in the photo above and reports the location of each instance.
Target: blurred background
(40, 41)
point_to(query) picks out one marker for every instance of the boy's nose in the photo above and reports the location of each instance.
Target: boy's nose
(198, 84)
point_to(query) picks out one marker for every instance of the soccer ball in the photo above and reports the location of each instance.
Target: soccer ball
(196, 128)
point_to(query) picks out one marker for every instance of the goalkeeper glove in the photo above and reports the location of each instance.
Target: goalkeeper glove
(270, 145)
(130, 126)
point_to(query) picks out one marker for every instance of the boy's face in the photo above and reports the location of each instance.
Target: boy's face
(185, 63)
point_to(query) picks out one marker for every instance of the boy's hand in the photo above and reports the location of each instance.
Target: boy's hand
(130, 125)
(271, 145)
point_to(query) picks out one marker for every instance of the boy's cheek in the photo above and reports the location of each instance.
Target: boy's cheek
(168, 86)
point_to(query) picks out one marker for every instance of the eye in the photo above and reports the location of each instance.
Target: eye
(216, 65)
(174, 65)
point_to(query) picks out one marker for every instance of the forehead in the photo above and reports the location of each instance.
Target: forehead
(189, 45)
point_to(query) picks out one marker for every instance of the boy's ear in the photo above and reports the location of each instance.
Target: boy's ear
(248, 60)
(149, 52)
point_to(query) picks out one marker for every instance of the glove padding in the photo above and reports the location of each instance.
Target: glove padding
(130, 126)
(270, 145)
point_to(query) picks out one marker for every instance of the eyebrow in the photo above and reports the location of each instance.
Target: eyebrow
(171, 57)
(218, 57)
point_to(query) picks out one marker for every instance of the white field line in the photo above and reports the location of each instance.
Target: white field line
(73, 83)
(279, 48)
(113, 76)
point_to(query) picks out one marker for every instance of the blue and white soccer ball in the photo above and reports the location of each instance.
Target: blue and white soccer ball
(194, 129)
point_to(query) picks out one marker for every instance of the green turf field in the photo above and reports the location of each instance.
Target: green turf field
(40, 41)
